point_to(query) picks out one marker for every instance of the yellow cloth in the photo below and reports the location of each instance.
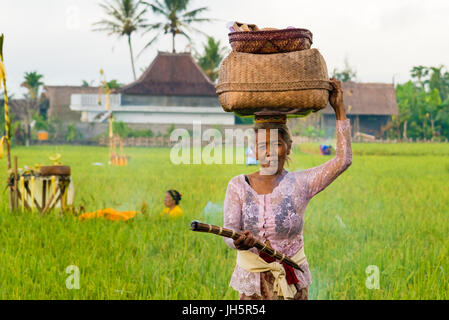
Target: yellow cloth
(254, 263)
(108, 214)
(175, 212)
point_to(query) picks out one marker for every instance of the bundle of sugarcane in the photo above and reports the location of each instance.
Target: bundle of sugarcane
(7, 136)
(228, 233)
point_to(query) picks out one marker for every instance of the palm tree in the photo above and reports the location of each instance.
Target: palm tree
(114, 84)
(419, 73)
(177, 19)
(210, 60)
(32, 83)
(125, 17)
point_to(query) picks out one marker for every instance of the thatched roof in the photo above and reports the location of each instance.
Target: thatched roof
(368, 99)
(172, 74)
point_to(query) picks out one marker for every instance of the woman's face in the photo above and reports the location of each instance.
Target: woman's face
(168, 200)
(272, 151)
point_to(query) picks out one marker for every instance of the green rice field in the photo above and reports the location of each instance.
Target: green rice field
(389, 210)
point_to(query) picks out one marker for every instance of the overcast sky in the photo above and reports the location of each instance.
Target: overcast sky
(382, 39)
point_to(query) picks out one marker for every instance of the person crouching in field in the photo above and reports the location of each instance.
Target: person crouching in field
(270, 208)
(171, 201)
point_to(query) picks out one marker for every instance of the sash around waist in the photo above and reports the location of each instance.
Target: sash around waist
(252, 262)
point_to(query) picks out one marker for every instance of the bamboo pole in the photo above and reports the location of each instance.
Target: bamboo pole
(32, 186)
(48, 206)
(16, 177)
(107, 91)
(208, 228)
(111, 138)
(64, 189)
(53, 186)
(7, 118)
(24, 203)
(31, 194)
(22, 192)
(44, 193)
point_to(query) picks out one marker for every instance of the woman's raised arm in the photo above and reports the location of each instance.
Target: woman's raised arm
(320, 177)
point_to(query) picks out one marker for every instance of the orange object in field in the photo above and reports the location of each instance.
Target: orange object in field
(108, 214)
(42, 135)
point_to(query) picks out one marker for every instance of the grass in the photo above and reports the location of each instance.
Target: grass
(389, 210)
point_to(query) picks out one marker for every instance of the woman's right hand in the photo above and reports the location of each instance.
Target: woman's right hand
(336, 99)
(245, 241)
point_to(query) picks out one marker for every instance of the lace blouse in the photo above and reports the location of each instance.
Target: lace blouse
(279, 216)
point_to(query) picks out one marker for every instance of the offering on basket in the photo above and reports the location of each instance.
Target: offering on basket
(249, 38)
(270, 40)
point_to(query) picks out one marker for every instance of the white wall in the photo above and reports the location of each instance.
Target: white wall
(168, 117)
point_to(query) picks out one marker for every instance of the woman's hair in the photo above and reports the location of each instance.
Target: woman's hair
(283, 132)
(176, 196)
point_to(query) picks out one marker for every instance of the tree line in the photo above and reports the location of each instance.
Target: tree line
(423, 104)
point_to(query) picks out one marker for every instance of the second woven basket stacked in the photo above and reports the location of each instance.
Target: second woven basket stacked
(294, 83)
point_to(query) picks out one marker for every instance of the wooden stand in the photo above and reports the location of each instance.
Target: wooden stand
(53, 188)
(41, 191)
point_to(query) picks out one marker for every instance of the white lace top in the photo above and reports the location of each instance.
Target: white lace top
(279, 216)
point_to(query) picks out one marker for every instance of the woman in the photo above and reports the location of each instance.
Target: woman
(270, 208)
(171, 201)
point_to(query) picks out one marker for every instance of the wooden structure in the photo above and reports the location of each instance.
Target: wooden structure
(119, 159)
(43, 190)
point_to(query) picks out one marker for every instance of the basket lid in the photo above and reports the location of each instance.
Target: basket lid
(281, 34)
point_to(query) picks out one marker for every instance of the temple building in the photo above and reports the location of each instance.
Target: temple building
(173, 90)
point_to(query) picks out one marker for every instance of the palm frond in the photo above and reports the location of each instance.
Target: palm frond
(183, 33)
(149, 44)
(177, 18)
(158, 8)
(191, 28)
(108, 26)
(154, 26)
(190, 20)
(195, 12)
(137, 17)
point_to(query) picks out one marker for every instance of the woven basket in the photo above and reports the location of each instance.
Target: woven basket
(294, 83)
(271, 41)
